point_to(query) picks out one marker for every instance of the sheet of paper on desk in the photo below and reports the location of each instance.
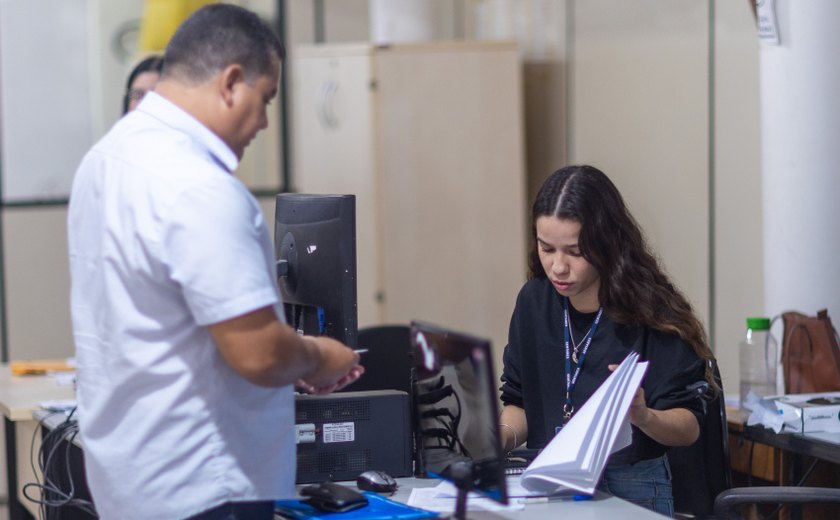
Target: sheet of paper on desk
(58, 405)
(441, 499)
(763, 412)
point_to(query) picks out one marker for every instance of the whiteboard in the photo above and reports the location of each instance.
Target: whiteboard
(45, 101)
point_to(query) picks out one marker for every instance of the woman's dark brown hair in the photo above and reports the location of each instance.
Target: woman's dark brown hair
(634, 290)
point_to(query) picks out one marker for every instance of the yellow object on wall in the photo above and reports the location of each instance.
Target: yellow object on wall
(161, 18)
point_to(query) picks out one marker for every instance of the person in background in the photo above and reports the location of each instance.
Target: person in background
(596, 293)
(143, 78)
(185, 363)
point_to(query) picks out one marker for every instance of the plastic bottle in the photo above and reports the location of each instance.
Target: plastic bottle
(758, 359)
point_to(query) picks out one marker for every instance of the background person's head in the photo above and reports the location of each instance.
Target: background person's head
(222, 66)
(143, 78)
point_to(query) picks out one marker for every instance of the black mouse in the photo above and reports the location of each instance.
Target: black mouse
(333, 498)
(378, 481)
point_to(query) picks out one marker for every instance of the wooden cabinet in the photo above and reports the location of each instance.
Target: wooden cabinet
(751, 459)
(429, 137)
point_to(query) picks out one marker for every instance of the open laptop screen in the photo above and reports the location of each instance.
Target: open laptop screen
(456, 407)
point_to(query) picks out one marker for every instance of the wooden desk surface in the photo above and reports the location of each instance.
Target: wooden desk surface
(20, 395)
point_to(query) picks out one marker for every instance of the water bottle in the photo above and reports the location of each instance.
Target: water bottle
(758, 361)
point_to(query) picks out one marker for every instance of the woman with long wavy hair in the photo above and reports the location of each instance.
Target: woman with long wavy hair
(595, 284)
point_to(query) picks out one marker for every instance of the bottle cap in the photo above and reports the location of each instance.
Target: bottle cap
(758, 323)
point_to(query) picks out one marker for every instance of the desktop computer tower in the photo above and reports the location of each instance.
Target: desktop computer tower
(343, 434)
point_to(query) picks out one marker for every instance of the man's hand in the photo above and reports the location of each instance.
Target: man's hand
(352, 376)
(338, 367)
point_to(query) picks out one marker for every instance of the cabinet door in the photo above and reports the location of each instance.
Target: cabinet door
(452, 180)
(333, 149)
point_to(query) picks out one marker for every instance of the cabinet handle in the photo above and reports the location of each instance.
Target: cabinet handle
(326, 104)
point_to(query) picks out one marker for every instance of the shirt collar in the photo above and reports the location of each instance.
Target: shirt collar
(174, 116)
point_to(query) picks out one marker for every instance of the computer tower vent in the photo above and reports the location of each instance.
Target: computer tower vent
(324, 411)
(342, 435)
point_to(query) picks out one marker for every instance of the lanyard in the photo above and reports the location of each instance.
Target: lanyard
(571, 380)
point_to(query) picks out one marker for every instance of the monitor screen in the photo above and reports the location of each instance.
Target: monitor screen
(456, 410)
(315, 244)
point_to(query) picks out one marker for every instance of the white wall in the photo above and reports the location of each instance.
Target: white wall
(738, 269)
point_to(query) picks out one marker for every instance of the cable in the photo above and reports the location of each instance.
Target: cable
(55, 447)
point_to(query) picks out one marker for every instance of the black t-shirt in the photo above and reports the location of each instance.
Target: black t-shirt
(534, 376)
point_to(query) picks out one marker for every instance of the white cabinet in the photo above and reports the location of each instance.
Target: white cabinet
(429, 137)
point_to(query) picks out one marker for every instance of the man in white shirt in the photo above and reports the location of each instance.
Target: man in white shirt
(185, 362)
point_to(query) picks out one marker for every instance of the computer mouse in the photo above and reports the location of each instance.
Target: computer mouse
(374, 480)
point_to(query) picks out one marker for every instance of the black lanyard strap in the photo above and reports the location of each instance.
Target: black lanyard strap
(571, 380)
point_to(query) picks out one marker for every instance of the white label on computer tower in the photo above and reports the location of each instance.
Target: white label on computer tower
(339, 432)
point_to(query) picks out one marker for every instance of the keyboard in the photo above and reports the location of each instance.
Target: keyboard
(517, 461)
(515, 465)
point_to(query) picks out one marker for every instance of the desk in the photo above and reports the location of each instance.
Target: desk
(603, 506)
(824, 446)
(19, 397)
(778, 458)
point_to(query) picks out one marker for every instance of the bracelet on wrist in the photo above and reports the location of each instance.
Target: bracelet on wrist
(515, 437)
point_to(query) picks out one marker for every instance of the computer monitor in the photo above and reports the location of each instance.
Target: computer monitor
(315, 245)
(457, 413)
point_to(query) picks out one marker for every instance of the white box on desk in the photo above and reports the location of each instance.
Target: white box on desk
(810, 412)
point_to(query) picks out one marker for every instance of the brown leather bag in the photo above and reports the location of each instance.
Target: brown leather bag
(810, 353)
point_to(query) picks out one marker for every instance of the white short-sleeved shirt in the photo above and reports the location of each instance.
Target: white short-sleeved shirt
(164, 241)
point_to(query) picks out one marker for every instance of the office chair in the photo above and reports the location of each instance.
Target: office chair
(388, 361)
(702, 478)
(701, 471)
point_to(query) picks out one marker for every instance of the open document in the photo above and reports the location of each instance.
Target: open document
(576, 456)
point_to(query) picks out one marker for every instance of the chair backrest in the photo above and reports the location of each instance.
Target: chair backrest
(388, 361)
(701, 471)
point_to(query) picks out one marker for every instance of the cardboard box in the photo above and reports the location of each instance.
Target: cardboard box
(810, 412)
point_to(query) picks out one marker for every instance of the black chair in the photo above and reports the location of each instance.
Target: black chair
(702, 480)
(701, 471)
(388, 361)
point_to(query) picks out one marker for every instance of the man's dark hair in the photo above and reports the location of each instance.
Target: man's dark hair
(219, 35)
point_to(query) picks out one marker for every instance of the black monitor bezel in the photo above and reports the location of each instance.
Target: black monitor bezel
(484, 345)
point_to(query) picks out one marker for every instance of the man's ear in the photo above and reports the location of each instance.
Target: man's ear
(228, 79)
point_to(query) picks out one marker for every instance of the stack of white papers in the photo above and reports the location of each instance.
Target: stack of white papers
(576, 456)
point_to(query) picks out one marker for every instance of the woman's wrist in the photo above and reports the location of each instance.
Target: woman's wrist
(503, 427)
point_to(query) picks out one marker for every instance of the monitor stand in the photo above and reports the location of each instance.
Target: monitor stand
(461, 474)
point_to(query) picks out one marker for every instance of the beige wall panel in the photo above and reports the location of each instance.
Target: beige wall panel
(260, 167)
(640, 112)
(545, 119)
(739, 273)
(346, 20)
(37, 277)
(267, 205)
(450, 137)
